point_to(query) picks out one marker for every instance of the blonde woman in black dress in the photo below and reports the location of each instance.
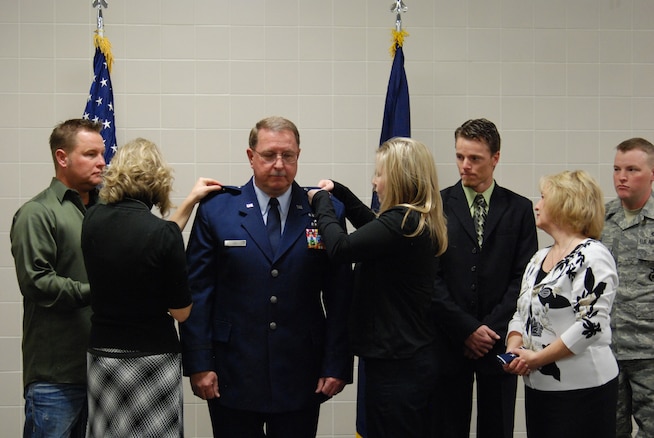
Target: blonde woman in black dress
(395, 252)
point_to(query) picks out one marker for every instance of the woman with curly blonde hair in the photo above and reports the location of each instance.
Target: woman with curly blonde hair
(137, 271)
(396, 254)
(561, 331)
(139, 172)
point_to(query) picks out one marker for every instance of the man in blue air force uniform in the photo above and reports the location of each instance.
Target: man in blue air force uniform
(266, 341)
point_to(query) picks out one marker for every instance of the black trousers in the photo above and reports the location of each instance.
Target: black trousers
(579, 413)
(452, 409)
(399, 394)
(234, 423)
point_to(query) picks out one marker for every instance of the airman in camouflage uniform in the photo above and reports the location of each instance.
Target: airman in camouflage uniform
(629, 234)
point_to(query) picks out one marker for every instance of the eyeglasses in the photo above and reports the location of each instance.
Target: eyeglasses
(272, 157)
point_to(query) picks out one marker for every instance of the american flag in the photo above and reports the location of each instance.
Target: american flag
(100, 103)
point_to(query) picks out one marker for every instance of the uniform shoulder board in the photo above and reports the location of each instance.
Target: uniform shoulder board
(338, 205)
(232, 190)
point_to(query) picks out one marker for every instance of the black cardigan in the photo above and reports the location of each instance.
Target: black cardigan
(394, 275)
(137, 270)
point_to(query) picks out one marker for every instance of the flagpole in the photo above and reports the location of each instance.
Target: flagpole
(397, 118)
(100, 4)
(398, 8)
(99, 39)
(396, 123)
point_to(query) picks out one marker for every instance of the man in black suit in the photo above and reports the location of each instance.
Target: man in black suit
(477, 288)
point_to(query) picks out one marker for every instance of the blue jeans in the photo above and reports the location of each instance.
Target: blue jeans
(55, 410)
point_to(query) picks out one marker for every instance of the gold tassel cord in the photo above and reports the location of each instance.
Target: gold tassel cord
(398, 40)
(104, 45)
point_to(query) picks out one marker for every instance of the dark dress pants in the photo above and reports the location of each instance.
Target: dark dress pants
(452, 410)
(234, 423)
(399, 394)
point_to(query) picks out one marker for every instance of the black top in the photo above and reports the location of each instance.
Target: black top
(394, 275)
(136, 266)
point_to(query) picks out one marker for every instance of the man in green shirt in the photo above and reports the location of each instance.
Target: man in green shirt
(45, 243)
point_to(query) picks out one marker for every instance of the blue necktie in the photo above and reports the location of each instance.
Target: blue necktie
(274, 224)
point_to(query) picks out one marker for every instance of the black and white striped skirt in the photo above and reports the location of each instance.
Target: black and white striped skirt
(132, 395)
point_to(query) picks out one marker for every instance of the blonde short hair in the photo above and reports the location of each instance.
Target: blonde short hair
(411, 181)
(139, 171)
(574, 200)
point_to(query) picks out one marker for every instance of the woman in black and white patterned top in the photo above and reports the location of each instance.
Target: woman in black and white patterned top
(561, 329)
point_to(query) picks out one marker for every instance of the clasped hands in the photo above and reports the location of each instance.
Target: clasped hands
(480, 342)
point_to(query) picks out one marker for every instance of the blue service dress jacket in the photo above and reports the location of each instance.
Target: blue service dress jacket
(269, 323)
